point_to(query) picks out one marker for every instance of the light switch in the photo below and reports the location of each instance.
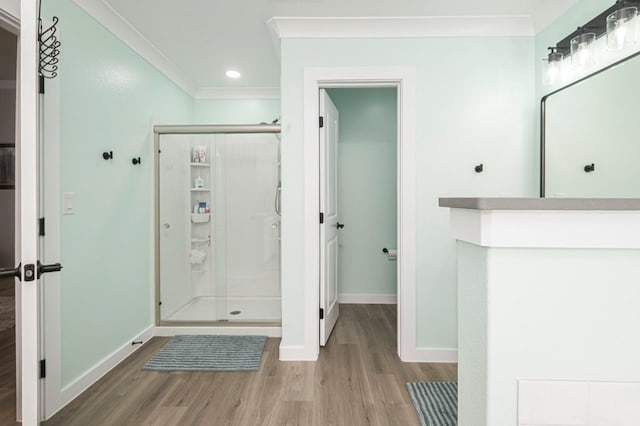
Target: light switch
(69, 203)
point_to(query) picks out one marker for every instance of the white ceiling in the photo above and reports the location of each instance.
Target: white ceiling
(203, 38)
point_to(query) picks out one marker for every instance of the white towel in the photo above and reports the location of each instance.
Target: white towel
(197, 256)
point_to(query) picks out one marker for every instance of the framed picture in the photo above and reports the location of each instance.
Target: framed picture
(7, 166)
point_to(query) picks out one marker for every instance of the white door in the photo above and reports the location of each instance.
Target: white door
(27, 187)
(329, 308)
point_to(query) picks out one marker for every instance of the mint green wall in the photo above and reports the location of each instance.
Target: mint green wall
(236, 111)
(367, 188)
(108, 98)
(475, 100)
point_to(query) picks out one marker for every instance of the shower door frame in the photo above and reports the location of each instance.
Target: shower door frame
(210, 129)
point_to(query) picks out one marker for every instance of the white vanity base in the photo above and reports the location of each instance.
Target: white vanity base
(549, 311)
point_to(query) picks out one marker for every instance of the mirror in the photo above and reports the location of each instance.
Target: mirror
(591, 135)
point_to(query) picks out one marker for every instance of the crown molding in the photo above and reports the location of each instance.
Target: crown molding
(238, 93)
(122, 29)
(10, 15)
(402, 27)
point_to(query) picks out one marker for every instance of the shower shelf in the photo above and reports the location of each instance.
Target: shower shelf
(199, 189)
(200, 217)
(200, 240)
(200, 164)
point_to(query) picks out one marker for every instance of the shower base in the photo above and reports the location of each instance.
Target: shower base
(232, 309)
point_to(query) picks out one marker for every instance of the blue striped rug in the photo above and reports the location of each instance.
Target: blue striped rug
(436, 402)
(209, 353)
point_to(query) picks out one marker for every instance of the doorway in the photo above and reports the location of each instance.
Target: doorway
(404, 80)
(8, 59)
(365, 198)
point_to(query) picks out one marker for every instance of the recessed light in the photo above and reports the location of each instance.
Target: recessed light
(233, 74)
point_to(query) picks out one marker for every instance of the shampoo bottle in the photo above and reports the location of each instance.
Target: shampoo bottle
(199, 182)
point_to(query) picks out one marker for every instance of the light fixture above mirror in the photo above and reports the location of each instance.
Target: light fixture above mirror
(552, 72)
(586, 49)
(622, 28)
(583, 51)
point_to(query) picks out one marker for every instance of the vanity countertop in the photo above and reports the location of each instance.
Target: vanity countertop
(502, 203)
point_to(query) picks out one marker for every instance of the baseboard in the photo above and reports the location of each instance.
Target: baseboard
(434, 355)
(297, 353)
(235, 330)
(81, 384)
(368, 299)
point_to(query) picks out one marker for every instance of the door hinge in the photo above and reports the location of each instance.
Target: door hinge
(43, 368)
(321, 313)
(321, 217)
(41, 227)
(321, 122)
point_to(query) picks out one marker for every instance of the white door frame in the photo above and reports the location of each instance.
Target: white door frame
(51, 210)
(404, 79)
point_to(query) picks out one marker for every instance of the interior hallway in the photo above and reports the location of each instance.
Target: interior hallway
(358, 380)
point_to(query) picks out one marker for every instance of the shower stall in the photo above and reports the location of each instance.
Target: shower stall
(217, 224)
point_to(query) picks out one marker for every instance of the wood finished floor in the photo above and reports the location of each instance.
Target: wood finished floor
(7, 365)
(358, 380)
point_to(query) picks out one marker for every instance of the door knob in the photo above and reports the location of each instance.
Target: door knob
(340, 225)
(45, 269)
(12, 272)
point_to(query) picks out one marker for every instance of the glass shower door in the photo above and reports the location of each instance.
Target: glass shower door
(249, 253)
(186, 250)
(218, 228)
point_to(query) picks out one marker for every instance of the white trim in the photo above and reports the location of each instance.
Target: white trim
(234, 330)
(51, 246)
(72, 391)
(369, 299)
(10, 15)
(122, 29)
(7, 84)
(297, 353)
(432, 355)
(401, 27)
(548, 228)
(238, 93)
(405, 80)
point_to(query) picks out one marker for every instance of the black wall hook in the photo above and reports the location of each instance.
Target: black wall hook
(136, 161)
(107, 155)
(479, 168)
(589, 168)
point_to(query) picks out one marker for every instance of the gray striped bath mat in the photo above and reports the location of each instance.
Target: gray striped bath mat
(436, 402)
(209, 353)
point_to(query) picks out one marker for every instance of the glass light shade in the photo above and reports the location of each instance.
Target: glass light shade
(552, 72)
(622, 28)
(583, 54)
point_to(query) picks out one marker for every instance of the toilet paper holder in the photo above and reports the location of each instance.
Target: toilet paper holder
(391, 254)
